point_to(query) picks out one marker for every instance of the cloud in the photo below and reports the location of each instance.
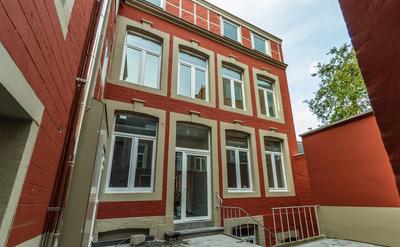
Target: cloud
(313, 68)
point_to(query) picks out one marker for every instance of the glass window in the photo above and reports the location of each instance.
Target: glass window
(192, 136)
(266, 95)
(231, 30)
(246, 232)
(192, 81)
(260, 44)
(142, 61)
(133, 155)
(238, 162)
(233, 88)
(156, 2)
(275, 166)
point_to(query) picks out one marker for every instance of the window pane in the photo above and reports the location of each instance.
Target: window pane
(155, 2)
(196, 187)
(271, 182)
(132, 65)
(271, 104)
(230, 31)
(262, 101)
(152, 71)
(272, 145)
(192, 136)
(267, 84)
(184, 80)
(259, 44)
(230, 162)
(238, 95)
(178, 186)
(192, 59)
(135, 124)
(120, 162)
(200, 89)
(227, 92)
(244, 170)
(141, 42)
(232, 73)
(279, 171)
(236, 139)
(144, 163)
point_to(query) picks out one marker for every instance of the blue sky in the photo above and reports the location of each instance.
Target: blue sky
(309, 28)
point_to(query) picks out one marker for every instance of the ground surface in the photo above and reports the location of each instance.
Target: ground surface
(335, 243)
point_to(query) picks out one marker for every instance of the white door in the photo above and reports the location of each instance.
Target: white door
(192, 196)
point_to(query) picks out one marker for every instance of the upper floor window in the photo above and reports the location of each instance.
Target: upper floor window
(193, 76)
(142, 61)
(238, 160)
(233, 88)
(231, 30)
(260, 44)
(133, 153)
(158, 3)
(267, 97)
(275, 166)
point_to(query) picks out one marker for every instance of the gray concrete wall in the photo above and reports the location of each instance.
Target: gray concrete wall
(13, 137)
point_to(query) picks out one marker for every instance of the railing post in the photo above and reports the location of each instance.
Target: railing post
(280, 217)
(288, 224)
(273, 218)
(316, 218)
(305, 216)
(294, 222)
(312, 221)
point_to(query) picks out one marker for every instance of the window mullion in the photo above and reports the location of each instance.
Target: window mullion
(142, 67)
(249, 170)
(237, 161)
(243, 96)
(192, 81)
(274, 175)
(232, 82)
(266, 103)
(132, 169)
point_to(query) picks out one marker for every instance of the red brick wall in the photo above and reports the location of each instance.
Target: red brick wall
(255, 206)
(348, 166)
(31, 32)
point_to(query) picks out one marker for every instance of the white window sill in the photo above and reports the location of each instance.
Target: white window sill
(128, 192)
(240, 190)
(278, 190)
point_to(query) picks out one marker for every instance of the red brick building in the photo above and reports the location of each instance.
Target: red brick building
(148, 116)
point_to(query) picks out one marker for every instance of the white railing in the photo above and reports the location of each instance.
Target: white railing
(295, 223)
(237, 218)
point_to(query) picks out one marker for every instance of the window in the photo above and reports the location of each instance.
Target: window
(231, 30)
(233, 88)
(267, 97)
(238, 161)
(142, 61)
(260, 44)
(158, 3)
(275, 166)
(245, 232)
(191, 136)
(193, 76)
(133, 153)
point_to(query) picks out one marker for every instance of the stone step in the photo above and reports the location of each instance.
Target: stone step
(191, 233)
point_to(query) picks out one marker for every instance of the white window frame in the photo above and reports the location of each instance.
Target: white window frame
(142, 61)
(162, 3)
(132, 165)
(238, 29)
(267, 44)
(265, 91)
(232, 83)
(274, 175)
(193, 76)
(237, 167)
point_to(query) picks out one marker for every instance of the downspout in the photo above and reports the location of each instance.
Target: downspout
(54, 222)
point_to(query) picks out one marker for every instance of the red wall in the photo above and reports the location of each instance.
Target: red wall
(378, 54)
(261, 205)
(31, 32)
(348, 165)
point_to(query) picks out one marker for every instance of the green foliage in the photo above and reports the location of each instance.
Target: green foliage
(342, 92)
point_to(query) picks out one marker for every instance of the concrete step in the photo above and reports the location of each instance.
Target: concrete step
(190, 233)
(193, 225)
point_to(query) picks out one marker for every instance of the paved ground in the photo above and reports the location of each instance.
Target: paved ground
(335, 243)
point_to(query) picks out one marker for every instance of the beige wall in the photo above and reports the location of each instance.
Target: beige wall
(376, 225)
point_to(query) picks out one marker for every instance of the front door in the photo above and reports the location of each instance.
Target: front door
(192, 186)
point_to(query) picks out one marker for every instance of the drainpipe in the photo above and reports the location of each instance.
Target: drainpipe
(60, 195)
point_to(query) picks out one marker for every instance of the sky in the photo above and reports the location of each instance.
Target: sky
(309, 29)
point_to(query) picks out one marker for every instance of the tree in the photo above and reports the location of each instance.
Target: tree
(342, 92)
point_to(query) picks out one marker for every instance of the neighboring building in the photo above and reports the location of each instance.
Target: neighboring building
(198, 108)
(49, 61)
(352, 181)
(378, 55)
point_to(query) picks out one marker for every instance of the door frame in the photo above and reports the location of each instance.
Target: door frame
(194, 152)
